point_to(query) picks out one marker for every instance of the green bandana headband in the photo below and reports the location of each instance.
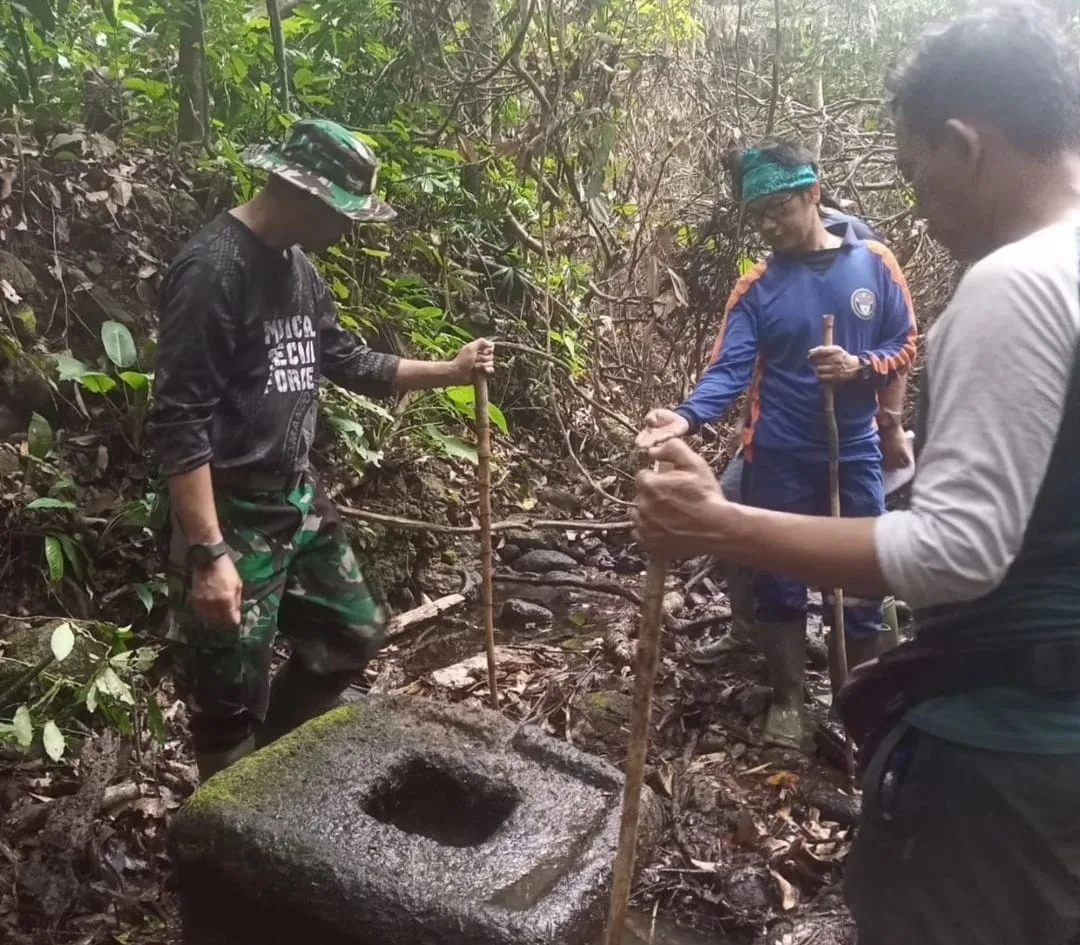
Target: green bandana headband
(763, 177)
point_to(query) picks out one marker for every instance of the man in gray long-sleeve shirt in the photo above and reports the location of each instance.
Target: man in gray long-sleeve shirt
(969, 830)
(247, 328)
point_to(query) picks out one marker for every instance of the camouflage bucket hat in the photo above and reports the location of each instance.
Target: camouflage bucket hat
(330, 162)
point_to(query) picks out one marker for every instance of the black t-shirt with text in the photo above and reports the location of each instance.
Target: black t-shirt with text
(245, 333)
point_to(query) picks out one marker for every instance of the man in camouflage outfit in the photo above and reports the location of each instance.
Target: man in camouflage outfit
(254, 545)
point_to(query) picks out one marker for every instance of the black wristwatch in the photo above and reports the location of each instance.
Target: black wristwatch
(866, 369)
(203, 554)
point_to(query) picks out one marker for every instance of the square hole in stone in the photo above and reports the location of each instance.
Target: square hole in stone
(420, 797)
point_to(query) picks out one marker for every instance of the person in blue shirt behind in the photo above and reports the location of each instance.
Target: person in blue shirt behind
(770, 342)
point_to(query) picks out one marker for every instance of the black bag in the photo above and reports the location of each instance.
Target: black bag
(878, 694)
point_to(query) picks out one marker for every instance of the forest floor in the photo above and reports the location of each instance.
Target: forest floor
(755, 838)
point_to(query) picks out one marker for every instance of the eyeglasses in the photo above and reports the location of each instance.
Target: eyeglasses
(772, 208)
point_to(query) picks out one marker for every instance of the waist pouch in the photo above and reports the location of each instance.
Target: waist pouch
(879, 693)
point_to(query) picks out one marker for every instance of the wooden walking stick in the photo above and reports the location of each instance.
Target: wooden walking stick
(483, 483)
(838, 666)
(648, 659)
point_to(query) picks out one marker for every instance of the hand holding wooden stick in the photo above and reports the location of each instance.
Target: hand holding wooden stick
(483, 481)
(646, 664)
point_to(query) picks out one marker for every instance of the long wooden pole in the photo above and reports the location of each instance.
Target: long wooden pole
(646, 664)
(483, 482)
(838, 665)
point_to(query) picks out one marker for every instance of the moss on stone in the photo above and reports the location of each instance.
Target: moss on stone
(247, 778)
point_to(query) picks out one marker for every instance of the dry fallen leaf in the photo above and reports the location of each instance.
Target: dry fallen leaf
(789, 895)
(704, 865)
(9, 292)
(783, 779)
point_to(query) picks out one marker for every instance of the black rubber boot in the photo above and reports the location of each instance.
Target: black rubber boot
(298, 695)
(211, 762)
(785, 656)
(744, 629)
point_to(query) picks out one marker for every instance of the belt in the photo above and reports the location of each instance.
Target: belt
(256, 480)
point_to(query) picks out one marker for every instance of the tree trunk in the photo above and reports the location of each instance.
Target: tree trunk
(194, 121)
(478, 105)
(273, 8)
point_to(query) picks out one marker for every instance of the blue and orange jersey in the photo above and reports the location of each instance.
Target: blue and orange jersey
(775, 316)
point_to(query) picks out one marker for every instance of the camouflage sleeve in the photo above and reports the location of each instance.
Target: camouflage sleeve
(346, 361)
(196, 340)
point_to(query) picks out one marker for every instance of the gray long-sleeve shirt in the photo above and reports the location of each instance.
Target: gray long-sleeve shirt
(245, 333)
(999, 364)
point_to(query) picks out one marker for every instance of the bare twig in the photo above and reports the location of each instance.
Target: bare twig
(395, 521)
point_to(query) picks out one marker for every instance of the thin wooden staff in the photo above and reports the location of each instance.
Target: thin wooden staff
(838, 665)
(483, 483)
(648, 659)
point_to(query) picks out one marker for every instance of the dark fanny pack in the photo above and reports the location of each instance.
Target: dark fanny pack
(881, 692)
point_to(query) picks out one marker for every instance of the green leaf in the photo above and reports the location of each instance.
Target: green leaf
(48, 502)
(119, 345)
(62, 642)
(375, 253)
(109, 8)
(145, 595)
(135, 379)
(23, 727)
(74, 555)
(53, 740)
(68, 368)
(496, 416)
(109, 684)
(91, 698)
(54, 556)
(39, 436)
(96, 382)
(149, 87)
(451, 445)
(155, 721)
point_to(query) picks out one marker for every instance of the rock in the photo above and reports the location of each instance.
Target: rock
(752, 701)
(601, 560)
(747, 830)
(749, 890)
(153, 203)
(517, 614)
(629, 564)
(530, 539)
(15, 273)
(541, 560)
(24, 644)
(704, 794)
(412, 822)
(606, 714)
(673, 603)
(817, 653)
(564, 576)
(186, 208)
(509, 553)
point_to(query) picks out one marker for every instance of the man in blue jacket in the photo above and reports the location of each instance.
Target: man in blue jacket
(770, 342)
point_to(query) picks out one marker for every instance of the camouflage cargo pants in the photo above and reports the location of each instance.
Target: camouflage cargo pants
(301, 578)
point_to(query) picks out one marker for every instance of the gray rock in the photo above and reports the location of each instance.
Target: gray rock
(517, 614)
(542, 560)
(752, 701)
(509, 552)
(403, 822)
(14, 271)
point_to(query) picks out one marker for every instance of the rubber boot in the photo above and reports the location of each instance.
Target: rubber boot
(785, 656)
(744, 629)
(211, 762)
(297, 695)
